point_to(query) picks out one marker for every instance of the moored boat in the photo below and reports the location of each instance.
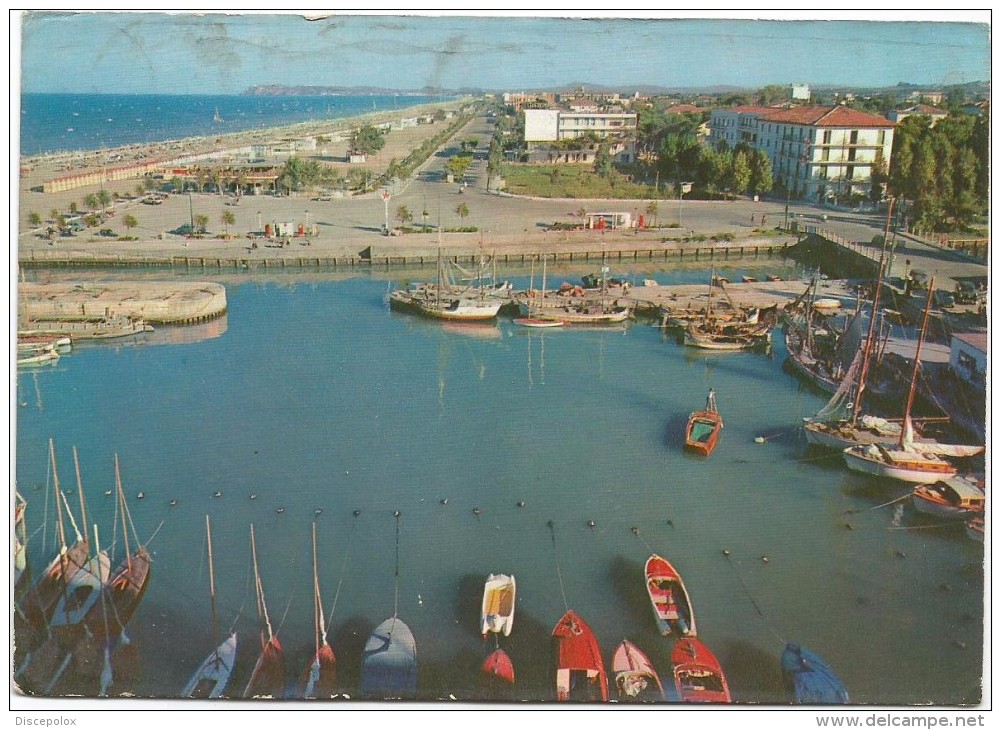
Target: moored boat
(48, 355)
(672, 607)
(577, 663)
(497, 609)
(538, 322)
(957, 497)
(698, 676)
(635, 678)
(319, 679)
(703, 428)
(268, 677)
(808, 680)
(497, 670)
(905, 464)
(975, 528)
(389, 662)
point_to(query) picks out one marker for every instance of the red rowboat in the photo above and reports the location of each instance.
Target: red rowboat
(672, 608)
(580, 671)
(497, 670)
(703, 428)
(635, 678)
(698, 677)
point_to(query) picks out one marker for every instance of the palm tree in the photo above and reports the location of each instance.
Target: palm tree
(103, 198)
(461, 210)
(201, 222)
(73, 208)
(228, 219)
(34, 219)
(403, 215)
(129, 222)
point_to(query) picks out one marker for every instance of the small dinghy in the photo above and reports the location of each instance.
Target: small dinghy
(808, 680)
(635, 678)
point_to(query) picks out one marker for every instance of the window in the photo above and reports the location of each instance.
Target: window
(881, 137)
(827, 136)
(854, 137)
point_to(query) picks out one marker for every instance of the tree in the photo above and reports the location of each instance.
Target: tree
(878, 178)
(140, 189)
(176, 184)
(458, 164)
(34, 219)
(228, 219)
(130, 222)
(366, 140)
(104, 198)
(91, 202)
(603, 159)
(54, 214)
(771, 94)
(403, 215)
(461, 210)
(201, 222)
(761, 173)
(739, 177)
(651, 210)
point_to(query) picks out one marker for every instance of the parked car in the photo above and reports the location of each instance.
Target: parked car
(943, 299)
(966, 293)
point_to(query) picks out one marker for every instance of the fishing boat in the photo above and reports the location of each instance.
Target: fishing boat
(21, 574)
(444, 300)
(34, 358)
(319, 680)
(579, 669)
(808, 680)
(975, 528)
(268, 678)
(497, 670)
(635, 678)
(702, 431)
(909, 462)
(730, 331)
(672, 608)
(389, 662)
(497, 611)
(216, 118)
(698, 676)
(35, 343)
(958, 497)
(538, 322)
(212, 677)
(109, 327)
(591, 311)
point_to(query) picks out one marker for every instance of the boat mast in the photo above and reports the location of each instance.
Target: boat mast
(542, 294)
(867, 352)
(215, 626)
(125, 526)
(906, 425)
(79, 488)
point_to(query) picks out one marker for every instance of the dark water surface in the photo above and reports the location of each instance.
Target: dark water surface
(312, 396)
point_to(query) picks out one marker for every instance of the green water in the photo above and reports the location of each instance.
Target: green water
(314, 397)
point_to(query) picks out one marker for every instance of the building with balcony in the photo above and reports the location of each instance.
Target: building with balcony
(823, 154)
(556, 135)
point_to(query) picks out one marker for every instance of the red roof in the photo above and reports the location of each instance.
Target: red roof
(823, 116)
(924, 109)
(750, 109)
(974, 339)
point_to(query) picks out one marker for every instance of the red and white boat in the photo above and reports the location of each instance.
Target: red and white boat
(497, 610)
(268, 678)
(702, 431)
(672, 608)
(319, 678)
(958, 497)
(635, 678)
(698, 676)
(580, 671)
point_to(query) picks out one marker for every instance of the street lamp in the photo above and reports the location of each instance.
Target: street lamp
(259, 229)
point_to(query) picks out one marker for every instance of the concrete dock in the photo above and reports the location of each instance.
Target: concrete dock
(150, 301)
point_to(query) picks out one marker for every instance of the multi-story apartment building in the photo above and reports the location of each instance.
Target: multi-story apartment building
(824, 154)
(549, 135)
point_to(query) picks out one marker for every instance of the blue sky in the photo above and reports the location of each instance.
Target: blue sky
(127, 52)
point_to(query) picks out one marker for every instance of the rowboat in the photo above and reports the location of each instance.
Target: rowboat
(32, 358)
(579, 669)
(672, 608)
(702, 431)
(497, 611)
(389, 662)
(635, 678)
(698, 676)
(538, 322)
(808, 680)
(497, 670)
(212, 676)
(958, 497)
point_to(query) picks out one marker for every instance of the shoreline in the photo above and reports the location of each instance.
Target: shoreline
(205, 143)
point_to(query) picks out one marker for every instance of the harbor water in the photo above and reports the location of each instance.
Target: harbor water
(555, 456)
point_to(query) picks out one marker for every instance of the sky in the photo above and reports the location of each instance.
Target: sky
(218, 53)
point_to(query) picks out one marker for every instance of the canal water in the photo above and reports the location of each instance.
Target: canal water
(555, 456)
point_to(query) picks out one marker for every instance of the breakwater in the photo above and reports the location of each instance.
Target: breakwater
(157, 302)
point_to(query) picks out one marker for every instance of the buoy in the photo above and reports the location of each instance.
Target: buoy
(476, 511)
(764, 558)
(217, 494)
(759, 439)
(444, 500)
(280, 510)
(590, 523)
(253, 496)
(848, 526)
(397, 514)
(140, 495)
(726, 552)
(901, 554)
(173, 502)
(671, 523)
(317, 511)
(521, 504)
(635, 530)
(357, 512)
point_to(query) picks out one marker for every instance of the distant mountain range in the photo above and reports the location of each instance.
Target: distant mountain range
(282, 90)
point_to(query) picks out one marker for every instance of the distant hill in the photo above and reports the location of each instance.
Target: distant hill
(282, 90)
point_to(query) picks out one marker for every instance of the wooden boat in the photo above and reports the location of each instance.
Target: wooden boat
(827, 305)
(27, 342)
(389, 662)
(975, 529)
(697, 336)
(808, 680)
(577, 663)
(958, 497)
(45, 356)
(21, 575)
(598, 312)
(635, 678)
(672, 608)
(212, 677)
(538, 322)
(268, 678)
(702, 431)
(903, 464)
(497, 610)
(319, 680)
(442, 301)
(497, 670)
(698, 676)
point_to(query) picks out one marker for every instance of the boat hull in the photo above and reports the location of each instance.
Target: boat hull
(497, 609)
(453, 311)
(635, 678)
(698, 676)
(319, 679)
(918, 470)
(211, 679)
(268, 679)
(808, 680)
(389, 663)
(497, 670)
(672, 607)
(702, 432)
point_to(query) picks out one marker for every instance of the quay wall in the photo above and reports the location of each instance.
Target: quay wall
(156, 302)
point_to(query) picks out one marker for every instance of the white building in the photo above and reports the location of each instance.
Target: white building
(968, 356)
(799, 92)
(549, 135)
(823, 154)
(918, 110)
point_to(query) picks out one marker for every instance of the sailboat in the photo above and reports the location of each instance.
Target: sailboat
(598, 312)
(212, 676)
(723, 333)
(441, 301)
(909, 462)
(216, 118)
(268, 678)
(815, 353)
(319, 680)
(536, 317)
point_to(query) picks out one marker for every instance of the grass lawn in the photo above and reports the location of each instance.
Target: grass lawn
(570, 181)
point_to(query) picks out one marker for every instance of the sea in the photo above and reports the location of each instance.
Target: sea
(429, 455)
(52, 123)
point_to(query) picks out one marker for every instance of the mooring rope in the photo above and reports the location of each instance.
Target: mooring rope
(396, 580)
(344, 563)
(559, 573)
(747, 592)
(878, 506)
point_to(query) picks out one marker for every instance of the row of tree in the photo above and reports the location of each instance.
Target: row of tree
(943, 169)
